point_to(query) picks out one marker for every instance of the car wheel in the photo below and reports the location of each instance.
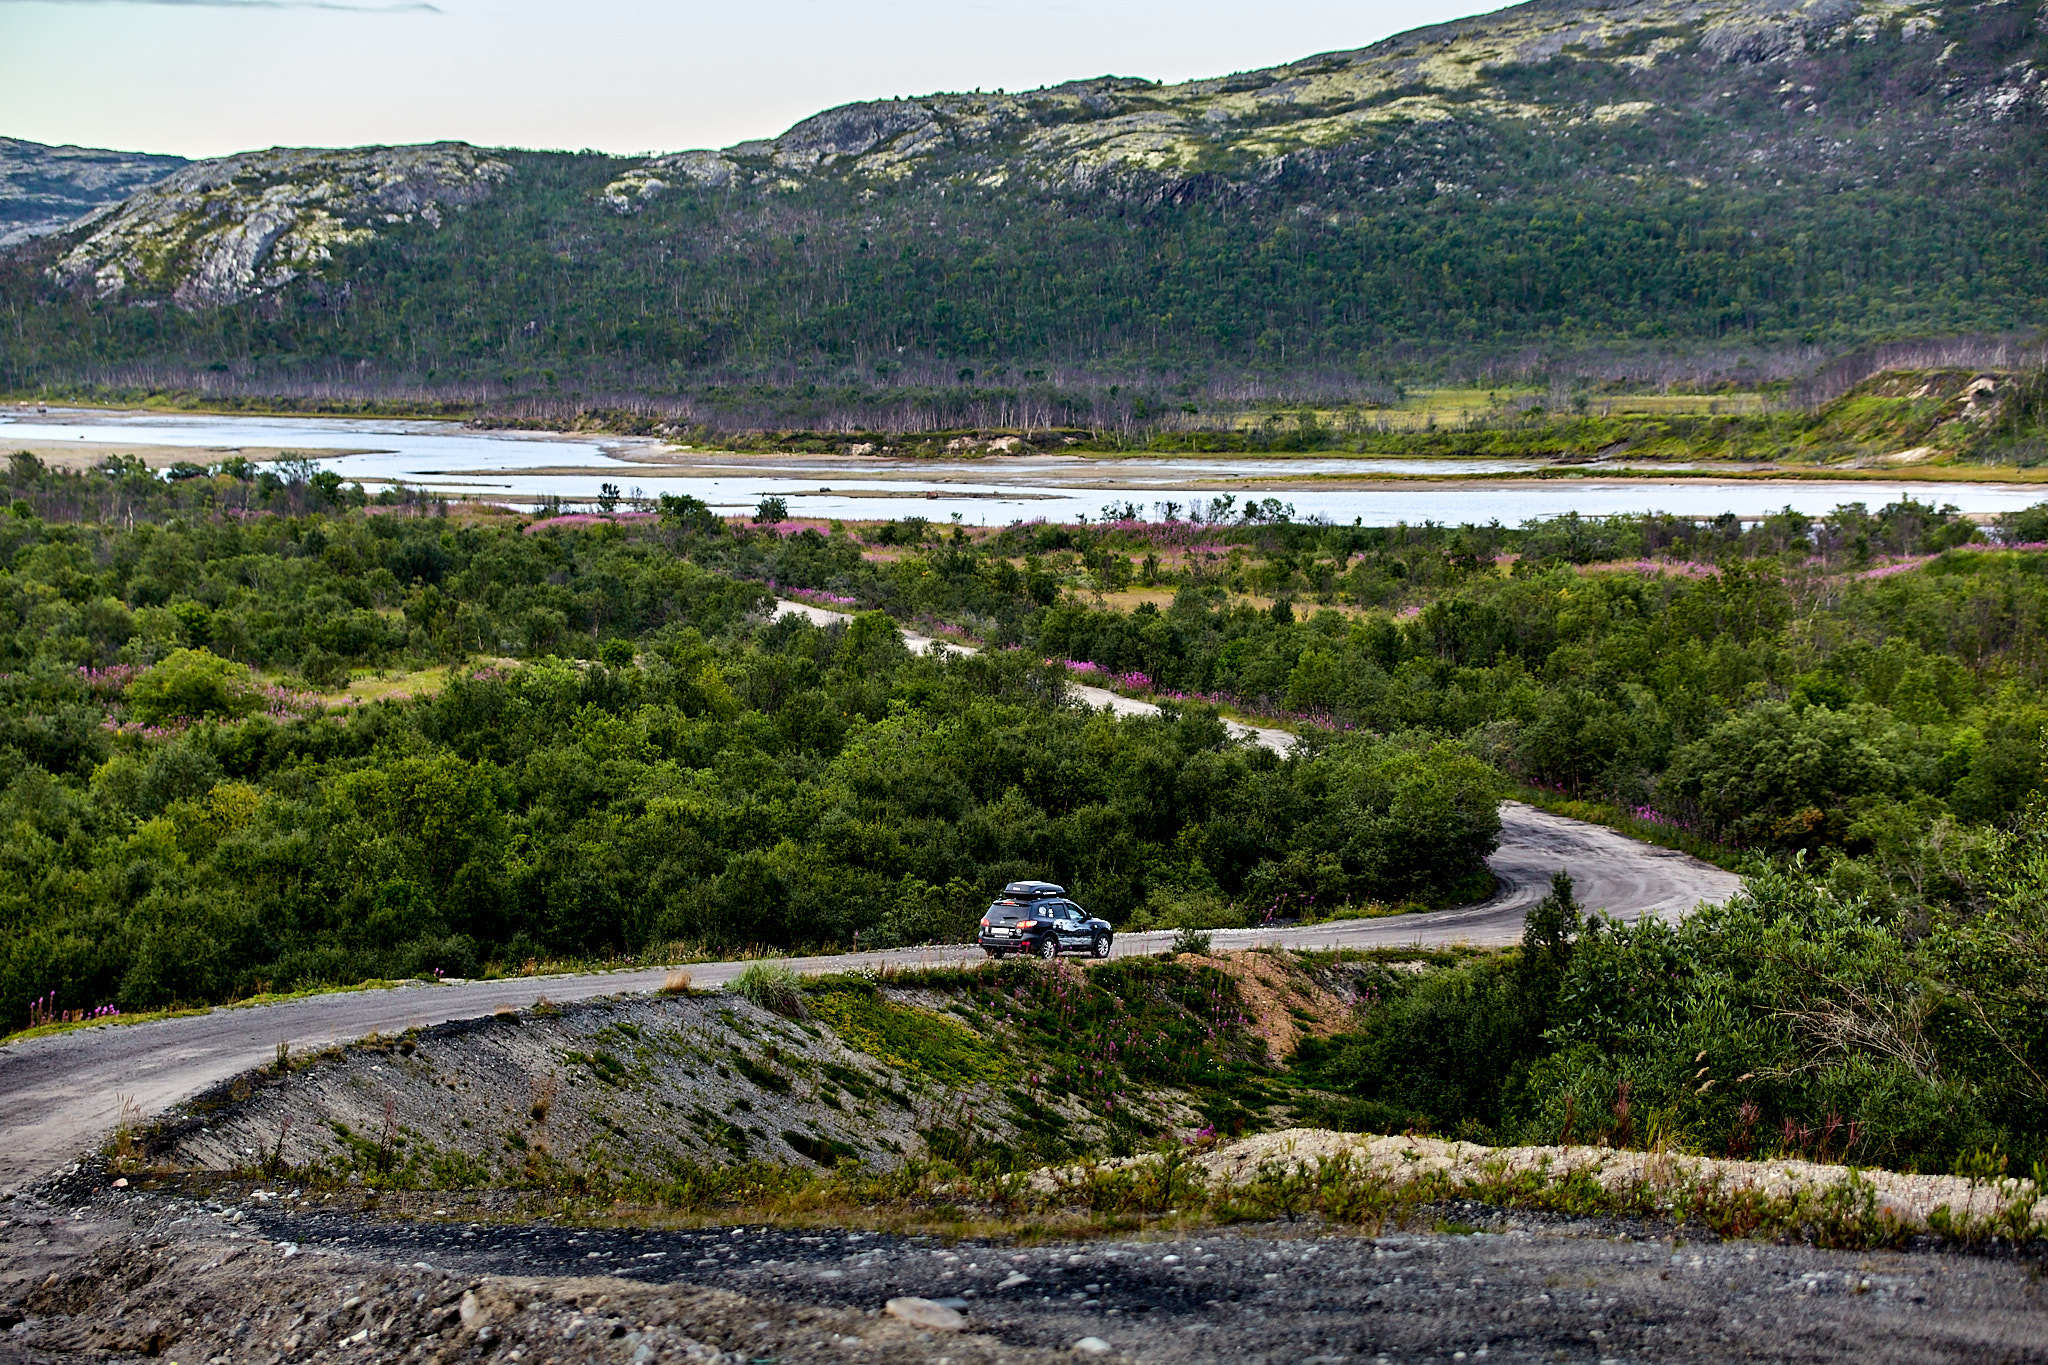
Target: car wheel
(1048, 947)
(1102, 945)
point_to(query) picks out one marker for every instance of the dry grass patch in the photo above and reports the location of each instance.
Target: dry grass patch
(1284, 1003)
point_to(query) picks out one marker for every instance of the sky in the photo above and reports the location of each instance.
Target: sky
(208, 77)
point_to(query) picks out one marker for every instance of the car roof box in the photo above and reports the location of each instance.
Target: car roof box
(1033, 890)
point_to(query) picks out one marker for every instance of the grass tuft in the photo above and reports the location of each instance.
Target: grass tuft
(773, 986)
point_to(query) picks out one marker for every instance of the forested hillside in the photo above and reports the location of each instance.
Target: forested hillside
(1641, 189)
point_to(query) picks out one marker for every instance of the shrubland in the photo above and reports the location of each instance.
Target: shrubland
(1863, 683)
(1804, 1019)
(180, 833)
(626, 755)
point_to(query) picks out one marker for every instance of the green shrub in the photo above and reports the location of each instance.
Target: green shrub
(324, 669)
(191, 684)
(1173, 908)
(918, 1040)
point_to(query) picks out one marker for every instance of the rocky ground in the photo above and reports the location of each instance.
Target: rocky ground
(93, 1272)
(661, 1084)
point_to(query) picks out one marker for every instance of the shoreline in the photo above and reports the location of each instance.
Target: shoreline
(1054, 472)
(1489, 480)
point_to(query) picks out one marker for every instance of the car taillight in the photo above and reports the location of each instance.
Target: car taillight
(1027, 924)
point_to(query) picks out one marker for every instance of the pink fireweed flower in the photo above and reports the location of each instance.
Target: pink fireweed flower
(585, 519)
(114, 678)
(1896, 566)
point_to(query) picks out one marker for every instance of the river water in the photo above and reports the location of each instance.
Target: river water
(519, 467)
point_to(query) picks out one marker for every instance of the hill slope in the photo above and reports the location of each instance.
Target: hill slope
(1722, 180)
(46, 189)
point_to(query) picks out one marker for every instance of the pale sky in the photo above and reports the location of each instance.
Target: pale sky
(206, 77)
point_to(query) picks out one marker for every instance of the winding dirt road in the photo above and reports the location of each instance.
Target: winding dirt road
(60, 1094)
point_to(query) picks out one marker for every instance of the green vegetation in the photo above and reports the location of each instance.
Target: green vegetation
(1808, 1018)
(772, 986)
(916, 1040)
(1851, 702)
(725, 782)
(2019, 432)
(1606, 1039)
(1169, 1192)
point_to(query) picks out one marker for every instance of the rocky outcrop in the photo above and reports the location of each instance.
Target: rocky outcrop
(46, 189)
(631, 191)
(220, 231)
(1829, 96)
(1126, 137)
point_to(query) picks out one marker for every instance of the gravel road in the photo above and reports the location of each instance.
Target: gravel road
(60, 1094)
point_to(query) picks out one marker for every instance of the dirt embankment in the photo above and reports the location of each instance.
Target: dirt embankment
(1284, 1004)
(647, 1087)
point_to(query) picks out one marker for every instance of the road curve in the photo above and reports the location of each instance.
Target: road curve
(60, 1094)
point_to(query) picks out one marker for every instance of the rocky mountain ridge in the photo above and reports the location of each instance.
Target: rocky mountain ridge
(1764, 75)
(1706, 187)
(45, 189)
(1606, 63)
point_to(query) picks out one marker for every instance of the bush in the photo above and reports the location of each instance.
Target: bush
(191, 684)
(324, 669)
(1441, 1051)
(1171, 908)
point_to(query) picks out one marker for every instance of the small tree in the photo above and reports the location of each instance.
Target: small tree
(689, 514)
(1549, 935)
(772, 509)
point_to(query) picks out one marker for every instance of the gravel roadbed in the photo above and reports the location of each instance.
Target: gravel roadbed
(119, 1275)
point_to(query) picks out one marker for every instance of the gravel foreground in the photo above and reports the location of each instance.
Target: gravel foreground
(100, 1274)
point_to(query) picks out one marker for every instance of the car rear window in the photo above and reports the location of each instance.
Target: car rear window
(1010, 914)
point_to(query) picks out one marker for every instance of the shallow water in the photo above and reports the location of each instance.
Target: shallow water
(506, 465)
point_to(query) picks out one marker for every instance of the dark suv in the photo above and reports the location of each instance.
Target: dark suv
(1037, 917)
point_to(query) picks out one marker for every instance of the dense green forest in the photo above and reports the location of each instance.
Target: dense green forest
(547, 294)
(1843, 683)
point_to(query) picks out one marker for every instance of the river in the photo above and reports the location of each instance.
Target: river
(519, 467)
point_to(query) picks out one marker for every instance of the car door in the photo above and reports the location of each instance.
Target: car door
(1072, 926)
